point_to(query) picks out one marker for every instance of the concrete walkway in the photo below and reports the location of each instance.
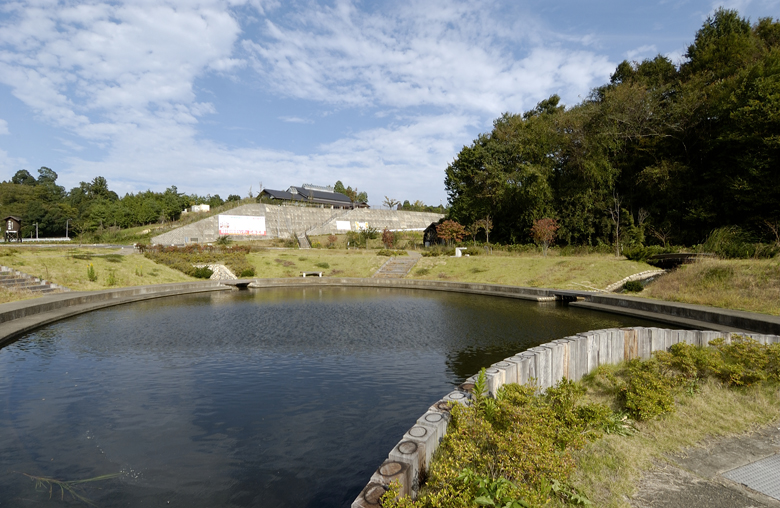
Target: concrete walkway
(699, 477)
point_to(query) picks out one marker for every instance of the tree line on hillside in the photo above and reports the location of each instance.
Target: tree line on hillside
(91, 206)
(660, 154)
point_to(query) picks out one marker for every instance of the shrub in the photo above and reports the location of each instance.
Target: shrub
(633, 286)
(322, 264)
(422, 271)
(91, 274)
(203, 272)
(647, 393)
(111, 280)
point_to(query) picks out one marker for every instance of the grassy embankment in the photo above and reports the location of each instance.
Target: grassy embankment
(742, 284)
(68, 266)
(751, 284)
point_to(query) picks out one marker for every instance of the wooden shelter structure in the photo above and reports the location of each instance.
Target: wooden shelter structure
(13, 229)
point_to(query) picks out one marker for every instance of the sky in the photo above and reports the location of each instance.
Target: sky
(225, 96)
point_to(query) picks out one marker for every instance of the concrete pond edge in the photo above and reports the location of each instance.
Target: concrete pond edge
(571, 357)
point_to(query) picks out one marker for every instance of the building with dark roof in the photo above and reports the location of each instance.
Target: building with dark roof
(308, 194)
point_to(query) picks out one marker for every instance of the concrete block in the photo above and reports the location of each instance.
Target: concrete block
(575, 358)
(630, 344)
(542, 358)
(645, 342)
(413, 454)
(437, 421)
(510, 370)
(557, 362)
(589, 352)
(657, 342)
(391, 471)
(495, 380)
(772, 339)
(564, 344)
(516, 361)
(605, 347)
(526, 370)
(617, 344)
(370, 495)
(678, 336)
(458, 397)
(442, 406)
(425, 435)
(667, 338)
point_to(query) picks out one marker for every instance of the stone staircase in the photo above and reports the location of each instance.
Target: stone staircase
(19, 281)
(396, 267)
(303, 242)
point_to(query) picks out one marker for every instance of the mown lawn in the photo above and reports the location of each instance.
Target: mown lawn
(68, 266)
(559, 272)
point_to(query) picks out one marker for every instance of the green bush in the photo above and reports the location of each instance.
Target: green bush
(633, 286)
(91, 274)
(203, 272)
(322, 264)
(647, 393)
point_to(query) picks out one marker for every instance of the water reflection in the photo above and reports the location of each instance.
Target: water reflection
(281, 397)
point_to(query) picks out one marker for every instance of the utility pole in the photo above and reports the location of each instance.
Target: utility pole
(66, 227)
(36, 230)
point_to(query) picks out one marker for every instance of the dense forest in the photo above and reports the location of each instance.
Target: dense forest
(662, 153)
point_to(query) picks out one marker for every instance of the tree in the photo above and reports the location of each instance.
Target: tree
(390, 202)
(487, 225)
(543, 232)
(473, 230)
(450, 231)
(23, 177)
(388, 238)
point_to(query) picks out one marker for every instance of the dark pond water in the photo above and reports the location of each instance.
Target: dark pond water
(279, 398)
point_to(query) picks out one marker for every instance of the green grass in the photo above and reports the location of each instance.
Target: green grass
(68, 266)
(340, 263)
(742, 284)
(558, 272)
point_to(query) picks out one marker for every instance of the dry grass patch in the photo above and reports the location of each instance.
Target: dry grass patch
(561, 272)
(608, 470)
(743, 284)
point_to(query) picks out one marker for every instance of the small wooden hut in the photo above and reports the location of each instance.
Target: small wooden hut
(13, 228)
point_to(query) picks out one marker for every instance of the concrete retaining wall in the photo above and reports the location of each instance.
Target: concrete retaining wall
(287, 221)
(544, 366)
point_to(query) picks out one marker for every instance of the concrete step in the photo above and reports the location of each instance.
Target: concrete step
(396, 268)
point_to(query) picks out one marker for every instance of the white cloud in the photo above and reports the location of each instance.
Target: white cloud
(642, 52)
(295, 119)
(3, 127)
(445, 55)
(121, 76)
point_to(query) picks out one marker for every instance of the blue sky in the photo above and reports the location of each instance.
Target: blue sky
(215, 96)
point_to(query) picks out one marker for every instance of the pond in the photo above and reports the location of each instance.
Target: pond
(278, 397)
